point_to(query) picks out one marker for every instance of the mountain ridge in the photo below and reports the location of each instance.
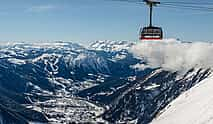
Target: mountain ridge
(63, 82)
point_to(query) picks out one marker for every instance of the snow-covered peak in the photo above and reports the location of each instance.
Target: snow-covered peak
(52, 55)
(192, 107)
(110, 45)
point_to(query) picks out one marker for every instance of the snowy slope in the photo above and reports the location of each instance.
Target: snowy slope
(192, 107)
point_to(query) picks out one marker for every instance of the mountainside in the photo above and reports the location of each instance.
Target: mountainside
(63, 82)
(192, 107)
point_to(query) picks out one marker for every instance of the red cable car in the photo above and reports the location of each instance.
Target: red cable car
(151, 32)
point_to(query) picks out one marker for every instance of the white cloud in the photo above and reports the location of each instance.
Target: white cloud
(41, 8)
(174, 56)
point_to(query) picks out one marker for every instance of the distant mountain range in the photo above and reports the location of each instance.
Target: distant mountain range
(63, 82)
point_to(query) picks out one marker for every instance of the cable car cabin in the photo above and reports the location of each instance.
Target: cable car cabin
(151, 33)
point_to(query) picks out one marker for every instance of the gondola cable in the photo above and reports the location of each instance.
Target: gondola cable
(199, 6)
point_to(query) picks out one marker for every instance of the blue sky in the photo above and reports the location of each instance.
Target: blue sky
(89, 20)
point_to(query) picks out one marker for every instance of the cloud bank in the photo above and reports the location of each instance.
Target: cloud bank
(173, 55)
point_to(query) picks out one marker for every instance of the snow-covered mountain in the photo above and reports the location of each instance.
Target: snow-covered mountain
(192, 107)
(111, 46)
(63, 82)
